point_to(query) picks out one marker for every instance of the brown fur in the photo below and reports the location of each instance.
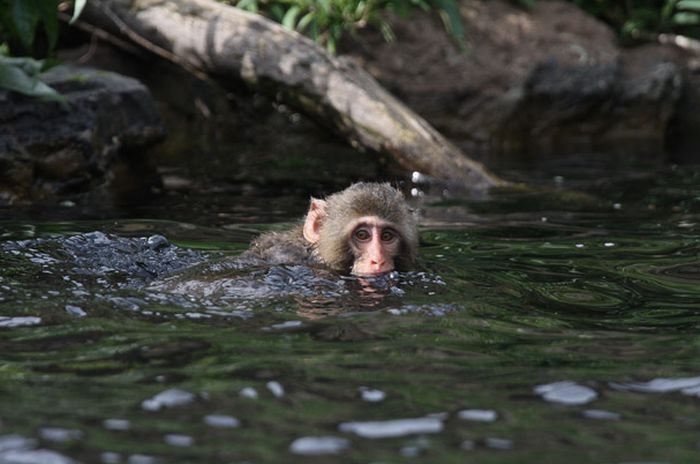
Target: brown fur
(365, 199)
(333, 249)
(288, 247)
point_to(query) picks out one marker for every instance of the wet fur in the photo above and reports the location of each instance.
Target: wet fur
(365, 199)
(288, 247)
(333, 249)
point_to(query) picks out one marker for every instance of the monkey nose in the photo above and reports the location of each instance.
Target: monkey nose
(379, 266)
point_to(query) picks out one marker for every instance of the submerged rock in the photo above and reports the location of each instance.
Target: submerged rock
(148, 276)
(112, 260)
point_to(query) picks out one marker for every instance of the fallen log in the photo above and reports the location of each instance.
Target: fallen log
(230, 44)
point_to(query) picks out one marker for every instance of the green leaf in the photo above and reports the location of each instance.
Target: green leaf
(324, 5)
(360, 8)
(667, 10)
(48, 13)
(276, 12)
(693, 5)
(25, 18)
(77, 9)
(248, 5)
(305, 21)
(686, 19)
(387, 31)
(15, 78)
(290, 17)
(451, 18)
(28, 65)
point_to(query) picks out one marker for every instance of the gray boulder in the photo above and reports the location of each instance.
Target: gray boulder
(49, 149)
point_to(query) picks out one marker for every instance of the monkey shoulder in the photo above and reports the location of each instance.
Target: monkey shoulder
(288, 247)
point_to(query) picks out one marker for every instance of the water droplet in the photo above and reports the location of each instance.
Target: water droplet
(498, 443)
(393, 428)
(175, 439)
(371, 395)
(599, 414)
(141, 459)
(661, 385)
(75, 311)
(40, 456)
(566, 392)
(116, 424)
(222, 421)
(249, 392)
(19, 321)
(110, 458)
(478, 415)
(276, 388)
(319, 445)
(60, 435)
(168, 398)
(285, 325)
(10, 442)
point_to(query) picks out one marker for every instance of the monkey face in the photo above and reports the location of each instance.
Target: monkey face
(374, 244)
(366, 229)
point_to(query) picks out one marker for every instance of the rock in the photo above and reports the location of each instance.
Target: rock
(50, 148)
(551, 79)
(592, 106)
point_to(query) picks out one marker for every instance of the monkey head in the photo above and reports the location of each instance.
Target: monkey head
(367, 229)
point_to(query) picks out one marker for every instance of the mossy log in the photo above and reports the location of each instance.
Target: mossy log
(229, 43)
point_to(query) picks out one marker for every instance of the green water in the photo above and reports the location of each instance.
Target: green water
(515, 291)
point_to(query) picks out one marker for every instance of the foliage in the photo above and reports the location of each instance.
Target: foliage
(19, 21)
(326, 20)
(643, 19)
(22, 75)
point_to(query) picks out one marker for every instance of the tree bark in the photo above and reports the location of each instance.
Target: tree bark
(228, 43)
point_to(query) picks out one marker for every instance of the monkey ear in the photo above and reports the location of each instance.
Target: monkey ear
(314, 219)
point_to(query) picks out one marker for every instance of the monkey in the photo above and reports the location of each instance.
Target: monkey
(365, 230)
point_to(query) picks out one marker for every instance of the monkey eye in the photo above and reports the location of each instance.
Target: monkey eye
(388, 235)
(362, 235)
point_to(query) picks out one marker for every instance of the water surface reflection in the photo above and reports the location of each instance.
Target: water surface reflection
(534, 331)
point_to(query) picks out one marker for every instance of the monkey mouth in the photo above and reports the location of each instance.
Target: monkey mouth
(372, 274)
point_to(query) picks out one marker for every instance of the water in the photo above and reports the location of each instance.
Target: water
(539, 328)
